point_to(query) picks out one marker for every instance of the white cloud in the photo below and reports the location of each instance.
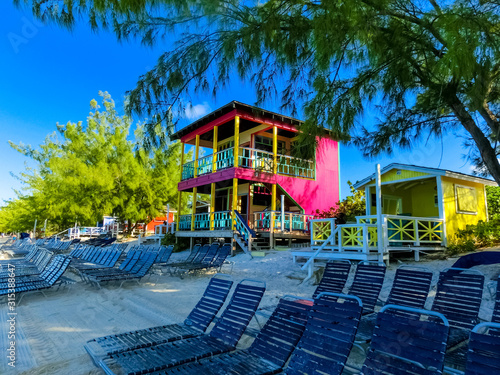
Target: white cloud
(196, 111)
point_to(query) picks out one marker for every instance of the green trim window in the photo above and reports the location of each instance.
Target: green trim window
(266, 144)
(225, 146)
(466, 200)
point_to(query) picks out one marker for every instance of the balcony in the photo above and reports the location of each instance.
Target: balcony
(261, 221)
(250, 158)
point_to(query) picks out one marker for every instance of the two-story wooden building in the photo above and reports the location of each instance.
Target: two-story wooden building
(258, 192)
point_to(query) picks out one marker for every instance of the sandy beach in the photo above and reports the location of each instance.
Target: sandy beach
(51, 332)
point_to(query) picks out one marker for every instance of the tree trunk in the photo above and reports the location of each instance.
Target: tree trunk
(487, 152)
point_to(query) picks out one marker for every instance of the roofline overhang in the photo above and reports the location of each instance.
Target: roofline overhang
(433, 172)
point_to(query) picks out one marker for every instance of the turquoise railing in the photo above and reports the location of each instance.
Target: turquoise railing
(296, 167)
(251, 158)
(224, 159)
(185, 222)
(204, 165)
(222, 220)
(299, 222)
(202, 221)
(255, 159)
(188, 170)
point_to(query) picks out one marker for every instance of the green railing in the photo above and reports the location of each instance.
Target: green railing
(296, 167)
(204, 165)
(185, 222)
(220, 220)
(292, 221)
(409, 229)
(251, 158)
(257, 160)
(202, 221)
(224, 159)
(188, 170)
(321, 229)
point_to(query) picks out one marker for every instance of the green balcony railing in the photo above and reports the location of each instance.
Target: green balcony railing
(221, 220)
(188, 170)
(295, 167)
(257, 160)
(251, 158)
(204, 165)
(185, 222)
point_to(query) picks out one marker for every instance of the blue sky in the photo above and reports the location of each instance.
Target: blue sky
(49, 75)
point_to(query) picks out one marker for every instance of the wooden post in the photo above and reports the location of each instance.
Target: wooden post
(182, 158)
(236, 139)
(179, 202)
(196, 154)
(235, 202)
(275, 149)
(193, 211)
(271, 216)
(214, 149)
(380, 226)
(212, 205)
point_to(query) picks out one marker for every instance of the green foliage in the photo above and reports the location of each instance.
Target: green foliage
(85, 172)
(493, 199)
(425, 68)
(346, 210)
(180, 243)
(484, 234)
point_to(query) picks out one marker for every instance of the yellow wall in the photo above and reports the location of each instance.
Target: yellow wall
(422, 196)
(393, 175)
(417, 200)
(456, 220)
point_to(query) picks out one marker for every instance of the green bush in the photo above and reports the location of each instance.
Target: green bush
(483, 234)
(180, 243)
(346, 210)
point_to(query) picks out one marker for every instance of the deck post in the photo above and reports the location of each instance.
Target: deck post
(193, 211)
(275, 149)
(380, 226)
(442, 213)
(212, 205)
(179, 202)
(271, 216)
(235, 202)
(182, 157)
(196, 155)
(214, 148)
(236, 139)
(283, 213)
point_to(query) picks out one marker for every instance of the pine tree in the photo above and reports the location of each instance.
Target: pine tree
(425, 67)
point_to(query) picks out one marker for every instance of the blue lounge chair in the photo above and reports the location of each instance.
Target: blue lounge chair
(483, 357)
(274, 344)
(367, 284)
(196, 323)
(458, 297)
(48, 278)
(410, 288)
(222, 338)
(136, 273)
(334, 278)
(407, 341)
(495, 318)
(192, 255)
(216, 261)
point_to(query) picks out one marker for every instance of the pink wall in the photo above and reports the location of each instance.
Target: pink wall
(323, 192)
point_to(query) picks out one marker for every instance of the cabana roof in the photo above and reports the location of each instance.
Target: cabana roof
(256, 111)
(421, 172)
